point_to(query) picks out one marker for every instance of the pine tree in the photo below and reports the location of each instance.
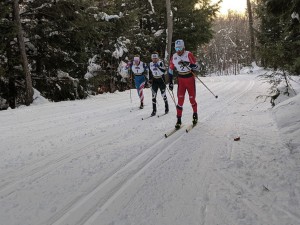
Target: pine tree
(279, 36)
(193, 21)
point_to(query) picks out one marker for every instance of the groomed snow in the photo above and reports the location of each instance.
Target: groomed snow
(96, 162)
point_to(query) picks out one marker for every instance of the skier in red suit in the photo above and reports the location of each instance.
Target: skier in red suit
(184, 62)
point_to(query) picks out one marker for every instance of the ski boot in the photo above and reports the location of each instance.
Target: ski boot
(195, 119)
(153, 107)
(178, 124)
(142, 105)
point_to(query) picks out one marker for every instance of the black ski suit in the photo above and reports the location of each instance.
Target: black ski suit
(157, 79)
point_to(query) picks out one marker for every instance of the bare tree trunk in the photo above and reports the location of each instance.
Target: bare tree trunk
(170, 29)
(11, 79)
(24, 61)
(252, 44)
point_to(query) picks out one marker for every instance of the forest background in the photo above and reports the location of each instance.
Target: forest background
(70, 49)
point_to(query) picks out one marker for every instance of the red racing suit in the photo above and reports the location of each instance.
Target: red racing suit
(186, 81)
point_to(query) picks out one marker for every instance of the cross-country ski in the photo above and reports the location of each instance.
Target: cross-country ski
(161, 115)
(190, 127)
(172, 131)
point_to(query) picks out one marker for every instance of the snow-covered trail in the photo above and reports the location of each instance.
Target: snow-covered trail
(95, 162)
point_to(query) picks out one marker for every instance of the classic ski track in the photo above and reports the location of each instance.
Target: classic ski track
(64, 114)
(253, 202)
(71, 126)
(143, 160)
(205, 185)
(93, 207)
(42, 167)
(55, 119)
(36, 165)
(226, 102)
(38, 171)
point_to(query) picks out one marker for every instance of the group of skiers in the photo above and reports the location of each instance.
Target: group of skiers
(184, 62)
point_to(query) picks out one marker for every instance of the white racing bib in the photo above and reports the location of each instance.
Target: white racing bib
(156, 72)
(183, 58)
(138, 69)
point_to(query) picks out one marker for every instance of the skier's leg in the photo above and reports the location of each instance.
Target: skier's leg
(191, 88)
(180, 95)
(154, 89)
(162, 87)
(140, 84)
(192, 96)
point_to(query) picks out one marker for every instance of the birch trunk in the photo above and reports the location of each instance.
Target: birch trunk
(170, 29)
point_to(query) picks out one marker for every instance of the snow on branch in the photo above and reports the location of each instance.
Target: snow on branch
(106, 17)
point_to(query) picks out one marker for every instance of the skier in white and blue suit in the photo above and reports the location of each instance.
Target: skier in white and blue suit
(139, 70)
(157, 79)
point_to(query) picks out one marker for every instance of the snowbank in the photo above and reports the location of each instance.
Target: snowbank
(288, 122)
(38, 98)
(252, 69)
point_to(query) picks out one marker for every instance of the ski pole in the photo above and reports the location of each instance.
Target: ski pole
(130, 95)
(172, 95)
(216, 96)
(130, 80)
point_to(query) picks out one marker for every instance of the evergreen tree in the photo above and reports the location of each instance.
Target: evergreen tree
(193, 21)
(63, 37)
(7, 34)
(280, 34)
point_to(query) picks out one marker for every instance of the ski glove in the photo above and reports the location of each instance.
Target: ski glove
(194, 67)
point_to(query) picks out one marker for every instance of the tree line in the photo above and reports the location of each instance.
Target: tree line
(268, 33)
(54, 45)
(66, 39)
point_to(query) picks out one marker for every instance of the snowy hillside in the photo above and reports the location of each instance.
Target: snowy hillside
(96, 162)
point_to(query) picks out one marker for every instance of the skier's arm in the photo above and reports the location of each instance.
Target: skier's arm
(146, 71)
(150, 76)
(162, 67)
(192, 62)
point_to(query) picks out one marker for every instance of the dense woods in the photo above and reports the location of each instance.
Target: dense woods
(73, 48)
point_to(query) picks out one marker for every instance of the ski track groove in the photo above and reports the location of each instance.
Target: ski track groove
(37, 164)
(254, 204)
(55, 120)
(206, 184)
(96, 208)
(62, 114)
(116, 189)
(41, 168)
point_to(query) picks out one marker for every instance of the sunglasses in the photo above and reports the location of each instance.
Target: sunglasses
(178, 49)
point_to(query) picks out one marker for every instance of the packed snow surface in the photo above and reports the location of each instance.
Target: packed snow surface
(96, 162)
